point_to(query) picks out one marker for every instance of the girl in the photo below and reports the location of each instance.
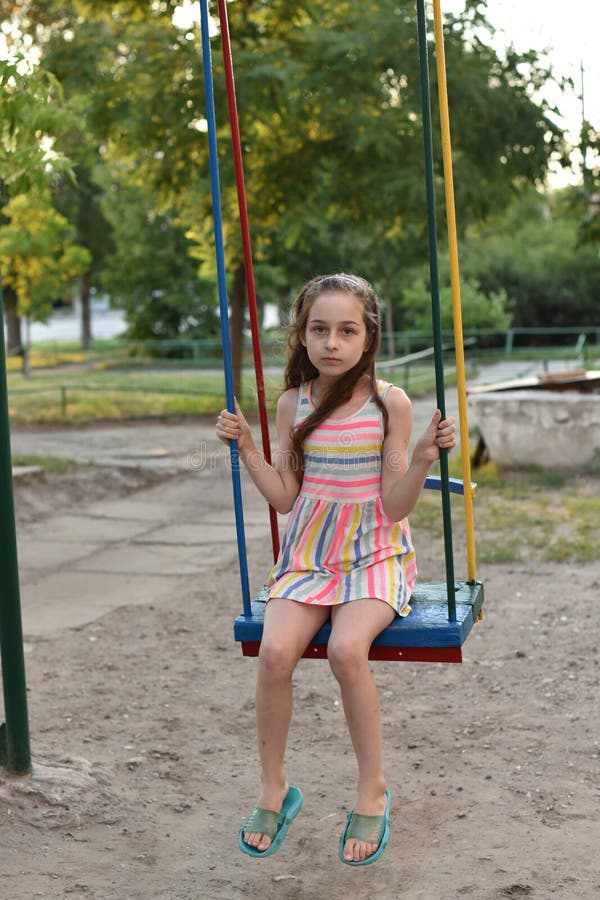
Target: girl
(342, 470)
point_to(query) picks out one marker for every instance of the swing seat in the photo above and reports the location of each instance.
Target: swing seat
(425, 635)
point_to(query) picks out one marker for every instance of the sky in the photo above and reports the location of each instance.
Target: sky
(570, 32)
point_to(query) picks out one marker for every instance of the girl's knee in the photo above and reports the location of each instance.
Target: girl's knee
(347, 657)
(277, 658)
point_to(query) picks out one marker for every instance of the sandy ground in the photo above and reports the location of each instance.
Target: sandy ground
(141, 710)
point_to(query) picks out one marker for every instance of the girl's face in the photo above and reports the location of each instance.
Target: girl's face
(336, 335)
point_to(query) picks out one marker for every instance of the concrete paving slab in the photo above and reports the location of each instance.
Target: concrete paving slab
(132, 508)
(75, 528)
(192, 490)
(72, 599)
(48, 555)
(157, 559)
(254, 514)
(176, 447)
(191, 534)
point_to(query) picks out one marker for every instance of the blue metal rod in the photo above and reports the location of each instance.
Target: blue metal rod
(223, 304)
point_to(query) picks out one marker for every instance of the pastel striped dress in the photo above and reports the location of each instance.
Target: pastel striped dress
(339, 545)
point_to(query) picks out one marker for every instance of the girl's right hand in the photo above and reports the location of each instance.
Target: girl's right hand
(233, 426)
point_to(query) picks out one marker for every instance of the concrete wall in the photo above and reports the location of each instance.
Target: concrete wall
(539, 428)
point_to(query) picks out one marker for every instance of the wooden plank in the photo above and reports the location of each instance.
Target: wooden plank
(425, 635)
(389, 654)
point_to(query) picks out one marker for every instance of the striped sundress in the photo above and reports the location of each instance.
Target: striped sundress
(339, 545)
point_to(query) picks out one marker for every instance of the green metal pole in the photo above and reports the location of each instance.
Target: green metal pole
(15, 751)
(435, 299)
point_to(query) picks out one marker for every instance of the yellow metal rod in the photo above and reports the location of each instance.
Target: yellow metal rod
(455, 284)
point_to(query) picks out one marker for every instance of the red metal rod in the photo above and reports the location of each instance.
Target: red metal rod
(246, 243)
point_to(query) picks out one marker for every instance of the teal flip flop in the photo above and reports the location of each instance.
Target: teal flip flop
(275, 825)
(371, 829)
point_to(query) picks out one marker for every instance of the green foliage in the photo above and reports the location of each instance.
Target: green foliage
(32, 113)
(330, 121)
(79, 200)
(151, 273)
(331, 124)
(39, 261)
(329, 102)
(479, 310)
(586, 200)
(533, 254)
(522, 516)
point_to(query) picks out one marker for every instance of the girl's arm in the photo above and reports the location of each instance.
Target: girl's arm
(401, 481)
(278, 483)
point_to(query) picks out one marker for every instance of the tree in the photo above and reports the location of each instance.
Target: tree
(479, 310)
(532, 251)
(330, 105)
(80, 201)
(587, 199)
(151, 273)
(32, 113)
(84, 46)
(38, 257)
(117, 212)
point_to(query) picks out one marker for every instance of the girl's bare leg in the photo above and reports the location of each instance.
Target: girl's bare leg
(354, 626)
(288, 629)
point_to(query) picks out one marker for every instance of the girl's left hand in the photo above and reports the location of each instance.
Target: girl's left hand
(233, 426)
(439, 433)
(446, 432)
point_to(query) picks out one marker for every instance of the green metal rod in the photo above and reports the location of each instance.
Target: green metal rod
(15, 752)
(435, 298)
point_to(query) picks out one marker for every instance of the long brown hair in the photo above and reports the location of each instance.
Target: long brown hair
(299, 368)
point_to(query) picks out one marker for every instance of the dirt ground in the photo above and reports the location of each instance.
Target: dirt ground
(143, 739)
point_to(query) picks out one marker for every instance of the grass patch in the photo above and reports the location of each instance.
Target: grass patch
(84, 397)
(576, 538)
(40, 359)
(521, 516)
(426, 517)
(53, 464)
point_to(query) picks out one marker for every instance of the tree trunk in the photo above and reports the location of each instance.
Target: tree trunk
(86, 312)
(389, 327)
(236, 324)
(388, 308)
(26, 370)
(13, 323)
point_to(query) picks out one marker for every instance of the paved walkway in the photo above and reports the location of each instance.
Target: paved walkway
(82, 562)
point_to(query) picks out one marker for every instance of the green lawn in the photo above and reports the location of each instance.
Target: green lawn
(81, 394)
(525, 517)
(85, 396)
